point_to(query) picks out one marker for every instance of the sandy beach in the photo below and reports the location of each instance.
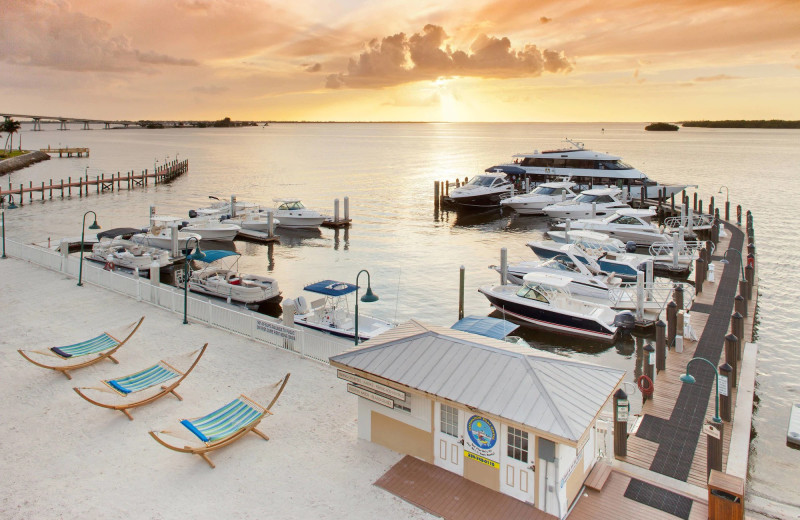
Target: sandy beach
(64, 458)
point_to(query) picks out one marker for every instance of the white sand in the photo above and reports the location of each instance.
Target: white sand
(61, 457)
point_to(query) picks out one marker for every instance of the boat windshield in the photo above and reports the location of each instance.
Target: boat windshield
(482, 180)
(627, 220)
(589, 198)
(546, 190)
(533, 292)
(294, 205)
(613, 165)
(561, 264)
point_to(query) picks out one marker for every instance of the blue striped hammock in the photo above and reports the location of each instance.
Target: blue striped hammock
(91, 346)
(144, 379)
(229, 419)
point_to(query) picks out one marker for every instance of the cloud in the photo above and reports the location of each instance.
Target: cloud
(46, 33)
(316, 67)
(718, 77)
(210, 89)
(545, 19)
(398, 59)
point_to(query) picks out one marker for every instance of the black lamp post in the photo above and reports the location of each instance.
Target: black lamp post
(199, 255)
(83, 228)
(368, 297)
(725, 261)
(11, 205)
(686, 378)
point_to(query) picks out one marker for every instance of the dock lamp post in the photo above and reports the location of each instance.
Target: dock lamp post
(11, 205)
(199, 255)
(686, 378)
(368, 297)
(725, 261)
(727, 192)
(83, 228)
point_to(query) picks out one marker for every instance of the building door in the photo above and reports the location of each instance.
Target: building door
(449, 450)
(517, 473)
(548, 478)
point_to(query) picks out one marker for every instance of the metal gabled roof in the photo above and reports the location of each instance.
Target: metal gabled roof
(543, 391)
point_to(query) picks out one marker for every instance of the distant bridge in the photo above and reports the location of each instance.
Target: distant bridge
(62, 121)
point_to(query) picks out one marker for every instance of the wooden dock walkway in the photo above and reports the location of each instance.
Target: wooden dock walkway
(101, 183)
(69, 152)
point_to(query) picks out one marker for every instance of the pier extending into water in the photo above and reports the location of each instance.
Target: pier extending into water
(69, 152)
(100, 183)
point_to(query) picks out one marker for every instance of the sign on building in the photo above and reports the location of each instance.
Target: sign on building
(481, 442)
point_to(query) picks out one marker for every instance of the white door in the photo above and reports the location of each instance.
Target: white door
(517, 477)
(449, 428)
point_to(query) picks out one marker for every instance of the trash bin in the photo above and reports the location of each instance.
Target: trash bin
(725, 497)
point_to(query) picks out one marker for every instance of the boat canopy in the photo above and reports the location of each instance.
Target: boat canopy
(118, 232)
(485, 326)
(216, 254)
(331, 288)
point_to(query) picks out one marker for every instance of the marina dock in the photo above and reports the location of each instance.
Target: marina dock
(69, 152)
(100, 183)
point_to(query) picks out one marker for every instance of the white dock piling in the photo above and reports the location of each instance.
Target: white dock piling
(233, 206)
(648, 279)
(594, 209)
(567, 229)
(346, 208)
(173, 234)
(64, 249)
(271, 223)
(690, 222)
(152, 214)
(155, 281)
(639, 296)
(676, 242)
(503, 266)
(336, 211)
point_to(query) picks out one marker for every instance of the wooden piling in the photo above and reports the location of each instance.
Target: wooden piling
(621, 410)
(731, 346)
(726, 371)
(714, 437)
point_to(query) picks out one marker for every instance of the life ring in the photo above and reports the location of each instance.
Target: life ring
(109, 265)
(645, 385)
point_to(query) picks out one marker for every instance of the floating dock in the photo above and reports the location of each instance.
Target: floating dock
(260, 237)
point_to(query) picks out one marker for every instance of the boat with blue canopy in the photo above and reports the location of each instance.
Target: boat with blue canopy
(331, 314)
(223, 280)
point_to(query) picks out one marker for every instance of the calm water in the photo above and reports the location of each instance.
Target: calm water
(412, 253)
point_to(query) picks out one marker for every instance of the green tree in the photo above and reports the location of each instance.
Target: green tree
(10, 127)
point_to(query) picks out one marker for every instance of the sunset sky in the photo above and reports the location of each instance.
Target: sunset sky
(409, 60)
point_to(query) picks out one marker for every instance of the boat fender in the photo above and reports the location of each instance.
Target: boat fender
(301, 305)
(192, 213)
(645, 385)
(630, 246)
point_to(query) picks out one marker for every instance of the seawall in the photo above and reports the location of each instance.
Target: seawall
(22, 161)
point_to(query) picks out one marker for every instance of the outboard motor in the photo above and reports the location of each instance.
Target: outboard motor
(183, 224)
(625, 320)
(630, 246)
(192, 213)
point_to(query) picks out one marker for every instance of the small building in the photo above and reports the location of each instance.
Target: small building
(513, 419)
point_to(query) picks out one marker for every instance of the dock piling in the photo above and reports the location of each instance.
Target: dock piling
(503, 266)
(661, 346)
(725, 371)
(731, 347)
(737, 329)
(649, 370)
(714, 434)
(336, 211)
(672, 322)
(346, 208)
(461, 292)
(621, 410)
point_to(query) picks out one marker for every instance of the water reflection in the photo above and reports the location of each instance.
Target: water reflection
(294, 237)
(336, 240)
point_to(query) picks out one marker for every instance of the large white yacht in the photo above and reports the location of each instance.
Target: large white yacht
(543, 195)
(584, 167)
(597, 202)
(482, 191)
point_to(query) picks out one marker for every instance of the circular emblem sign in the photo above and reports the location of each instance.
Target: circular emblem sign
(481, 431)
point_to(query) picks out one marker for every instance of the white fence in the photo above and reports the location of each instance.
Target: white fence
(257, 327)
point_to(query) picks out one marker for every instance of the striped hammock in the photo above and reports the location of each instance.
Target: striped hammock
(143, 379)
(221, 423)
(84, 348)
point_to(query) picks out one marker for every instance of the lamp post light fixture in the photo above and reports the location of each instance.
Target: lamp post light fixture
(368, 297)
(725, 261)
(3, 216)
(199, 255)
(83, 229)
(727, 192)
(686, 378)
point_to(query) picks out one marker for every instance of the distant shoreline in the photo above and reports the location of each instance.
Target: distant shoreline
(741, 123)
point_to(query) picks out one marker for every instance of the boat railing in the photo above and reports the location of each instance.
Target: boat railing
(699, 222)
(687, 248)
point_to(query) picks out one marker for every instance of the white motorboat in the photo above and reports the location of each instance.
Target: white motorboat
(585, 167)
(593, 239)
(127, 254)
(291, 213)
(545, 302)
(543, 195)
(213, 230)
(159, 235)
(597, 202)
(624, 265)
(332, 314)
(254, 221)
(482, 191)
(627, 225)
(593, 283)
(226, 282)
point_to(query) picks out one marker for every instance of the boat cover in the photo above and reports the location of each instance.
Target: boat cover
(331, 288)
(126, 232)
(215, 254)
(485, 326)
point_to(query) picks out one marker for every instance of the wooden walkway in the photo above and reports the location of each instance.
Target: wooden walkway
(101, 183)
(451, 496)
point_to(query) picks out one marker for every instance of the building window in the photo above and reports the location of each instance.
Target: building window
(518, 444)
(449, 420)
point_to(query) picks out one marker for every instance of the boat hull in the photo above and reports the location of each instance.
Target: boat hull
(483, 200)
(287, 221)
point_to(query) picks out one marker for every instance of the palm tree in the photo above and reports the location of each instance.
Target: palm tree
(10, 127)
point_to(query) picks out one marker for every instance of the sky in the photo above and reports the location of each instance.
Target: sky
(409, 60)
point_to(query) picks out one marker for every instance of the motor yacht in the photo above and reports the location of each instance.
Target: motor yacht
(291, 213)
(225, 281)
(584, 167)
(627, 225)
(543, 195)
(544, 301)
(213, 230)
(596, 202)
(593, 283)
(127, 254)
(482, 191)
(623, 265)
(160, 235)
(332, 314)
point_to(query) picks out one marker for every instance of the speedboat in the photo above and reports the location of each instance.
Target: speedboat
(596, 202)
(226, 282)
(482, 191)
(159, 235)
(211, 230)
(332, 314)
(254, 221)
(627, 225)
(624, 265)
(543, 301)
(291, 213)
(543, 195)
(584, 167)
(127, 254)
(593, 283)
